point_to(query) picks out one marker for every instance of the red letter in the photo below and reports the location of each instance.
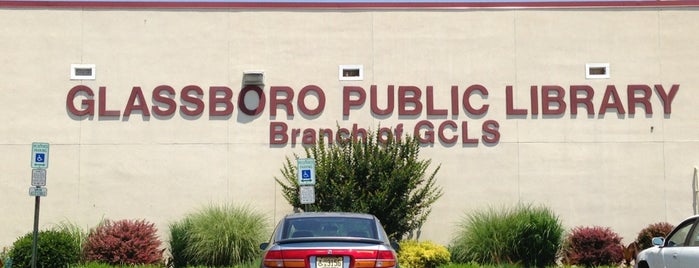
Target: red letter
(326, 133)
(309, 136)
(342, 135)
(357, 131)
(278, 129)
(194, 100)
(429, 133)
(374, 102)
(301, 102)
(467, 100)
(667, 98)
(399, 132)
(455, 100)
(491, 127)
(586, 99)
(430, 104)
(404, 98)
(103, 103)
(136, 94)
(464, 134)
(224, 100)
(510, 110)
(384, 135)
(166, 100)
(547, 99)
(275, 100)
(534, 99)
(88, 104)
(347, 103)
(444, 138)
(242, 105)
(644, 99)
(610, 93)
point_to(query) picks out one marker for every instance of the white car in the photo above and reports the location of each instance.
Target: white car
(679, 250)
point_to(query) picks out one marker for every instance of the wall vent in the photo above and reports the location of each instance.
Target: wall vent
(597, 71)
(351, 72)
(82, 72)
(254, 78)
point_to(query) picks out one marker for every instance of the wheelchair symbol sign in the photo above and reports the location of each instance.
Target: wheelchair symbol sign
(306, 175)
(40, 155)
(306, 171)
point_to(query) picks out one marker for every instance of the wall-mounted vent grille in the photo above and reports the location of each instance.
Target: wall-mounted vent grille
(82, 72)
(597, 71)
(254, 78)
(351, 72)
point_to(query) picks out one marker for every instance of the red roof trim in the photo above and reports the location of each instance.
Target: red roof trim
(345, 5)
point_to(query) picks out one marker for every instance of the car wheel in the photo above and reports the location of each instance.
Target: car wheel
(643, 264)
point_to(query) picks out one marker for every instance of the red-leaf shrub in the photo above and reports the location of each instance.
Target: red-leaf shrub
(593, 246)
(124, 242)
(646, 235)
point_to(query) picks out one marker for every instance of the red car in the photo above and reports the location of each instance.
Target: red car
(329, 240)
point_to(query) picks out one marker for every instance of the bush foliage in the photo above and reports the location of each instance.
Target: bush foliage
(525, 235)
(78, 234)
(124, 242)
(592, 247)
(178, 243)
(414, 254)
(645, 236)
(218, 236)
(377, 174)
(54, 249)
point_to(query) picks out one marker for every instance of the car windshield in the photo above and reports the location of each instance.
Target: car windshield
(329, 227)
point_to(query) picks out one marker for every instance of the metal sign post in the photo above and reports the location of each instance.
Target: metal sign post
(35, 239)
(39, 164)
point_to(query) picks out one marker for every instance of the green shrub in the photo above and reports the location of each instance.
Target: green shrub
(105, 265)
(124, 242)
(178, 243)
(78, 234)
(414, 254)
(218, 236)
(54, 249)
(4, 254)
(396, 184)
(525, 235)
(476, 265)
(593, 246)
(646, 235)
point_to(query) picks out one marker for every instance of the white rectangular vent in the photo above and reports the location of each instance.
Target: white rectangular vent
(253, 78)
(351, 72)
(597, 71)
(82, 72)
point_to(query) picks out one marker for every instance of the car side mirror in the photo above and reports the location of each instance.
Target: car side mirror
(264, 246)
(395, 246)
(658, 241)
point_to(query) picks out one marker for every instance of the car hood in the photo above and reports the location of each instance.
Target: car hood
(647, 255)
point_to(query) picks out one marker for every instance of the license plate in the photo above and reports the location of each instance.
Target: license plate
(328, 262)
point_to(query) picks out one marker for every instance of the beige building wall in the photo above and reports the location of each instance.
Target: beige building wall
(613, 169)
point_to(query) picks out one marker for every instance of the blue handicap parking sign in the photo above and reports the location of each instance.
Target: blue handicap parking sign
(40, 155)
(40, 158)
(305, 174)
